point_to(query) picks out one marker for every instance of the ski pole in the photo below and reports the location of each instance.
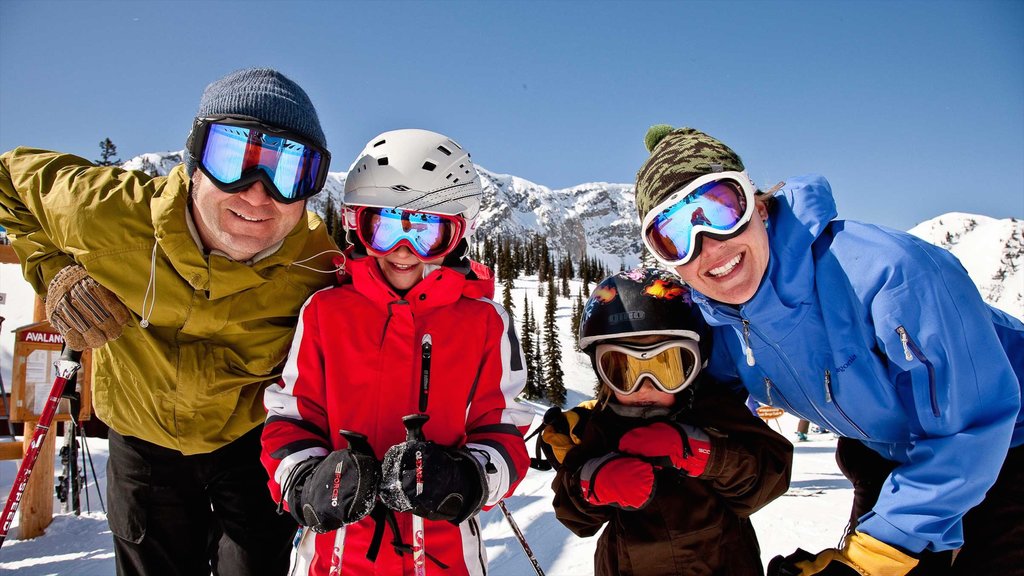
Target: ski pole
(521, 537)
(65, 368)
(414, 433)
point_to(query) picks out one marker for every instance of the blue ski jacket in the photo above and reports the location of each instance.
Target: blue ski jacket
(880, 336)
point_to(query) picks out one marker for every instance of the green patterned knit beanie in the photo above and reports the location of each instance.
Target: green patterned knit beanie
(678, 156)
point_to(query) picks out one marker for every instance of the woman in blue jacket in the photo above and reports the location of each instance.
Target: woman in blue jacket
(871, 333)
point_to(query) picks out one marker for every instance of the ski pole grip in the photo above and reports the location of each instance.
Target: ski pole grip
(69, 354)
(357, 442)
(414, 426)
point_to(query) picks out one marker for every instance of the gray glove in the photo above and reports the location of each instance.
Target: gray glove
(84, 312)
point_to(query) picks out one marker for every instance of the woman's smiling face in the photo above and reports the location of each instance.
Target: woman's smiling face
(730, 271)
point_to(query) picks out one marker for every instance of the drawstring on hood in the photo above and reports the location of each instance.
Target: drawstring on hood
(148, 313)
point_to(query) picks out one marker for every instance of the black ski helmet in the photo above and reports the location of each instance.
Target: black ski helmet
(638, 303)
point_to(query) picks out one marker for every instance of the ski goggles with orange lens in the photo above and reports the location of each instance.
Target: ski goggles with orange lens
(234, 152)
(671, 366)
(718, 204)
(429, 236)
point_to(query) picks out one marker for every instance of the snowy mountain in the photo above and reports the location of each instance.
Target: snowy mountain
(599, 218)
(991, 250)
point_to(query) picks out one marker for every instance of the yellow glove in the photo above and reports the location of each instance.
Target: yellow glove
(84, 312)
(862, 555)
(563, 432)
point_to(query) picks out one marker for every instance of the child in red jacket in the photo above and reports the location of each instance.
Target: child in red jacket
(412, 331)
(669, 461)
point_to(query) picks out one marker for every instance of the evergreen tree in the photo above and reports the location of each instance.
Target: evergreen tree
(577, 317)
(506, 298)
(544, 265)
(534, 387)
(108, 154)
(553, 375)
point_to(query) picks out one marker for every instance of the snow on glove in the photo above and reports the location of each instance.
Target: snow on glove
(862, 555)
(617, 480)
(341, 488)
(452, 487)
(85, 313)
(688, 448)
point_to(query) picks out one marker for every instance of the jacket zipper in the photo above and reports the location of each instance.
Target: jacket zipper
(910, 351)
(747, 350)
(792, 374)
(828, 399)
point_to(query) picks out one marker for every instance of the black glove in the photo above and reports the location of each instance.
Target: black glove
(453, 486)
(326, 493)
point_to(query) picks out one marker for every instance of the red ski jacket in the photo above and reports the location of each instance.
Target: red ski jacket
(355, 364)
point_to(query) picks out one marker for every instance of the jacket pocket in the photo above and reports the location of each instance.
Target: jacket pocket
(912, 351)
(830, 399)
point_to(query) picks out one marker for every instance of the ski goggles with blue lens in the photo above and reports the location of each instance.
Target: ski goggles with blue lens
(236, 151)
(429, 236)
(718, 204)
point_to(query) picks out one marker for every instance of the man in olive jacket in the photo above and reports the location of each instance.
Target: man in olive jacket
(187, 287)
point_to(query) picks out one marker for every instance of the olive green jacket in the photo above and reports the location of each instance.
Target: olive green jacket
(219, 330)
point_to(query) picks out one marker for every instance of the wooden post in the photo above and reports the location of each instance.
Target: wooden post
(36, 509)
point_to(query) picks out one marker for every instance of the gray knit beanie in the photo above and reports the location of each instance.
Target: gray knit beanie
(264, 94)
(678, 157)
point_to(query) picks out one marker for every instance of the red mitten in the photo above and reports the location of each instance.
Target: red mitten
(617, 480)
(687, 447)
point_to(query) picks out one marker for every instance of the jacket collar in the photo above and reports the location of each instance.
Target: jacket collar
(441, 287)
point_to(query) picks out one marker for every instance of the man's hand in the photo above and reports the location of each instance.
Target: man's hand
(688, 448)
(861, 556)
(326, 493)
(433, 481)
(617, 480)
(85, 313)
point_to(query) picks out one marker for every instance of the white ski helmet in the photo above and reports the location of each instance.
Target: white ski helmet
(416, 170)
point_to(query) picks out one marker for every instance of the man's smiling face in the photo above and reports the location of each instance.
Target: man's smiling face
(243, 223)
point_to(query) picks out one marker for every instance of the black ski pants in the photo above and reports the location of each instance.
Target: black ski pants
(993, 530)
(192, 515)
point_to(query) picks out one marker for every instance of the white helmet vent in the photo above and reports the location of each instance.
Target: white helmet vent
(382, 161)
(444, 150)
(379, 143)
(429, 166)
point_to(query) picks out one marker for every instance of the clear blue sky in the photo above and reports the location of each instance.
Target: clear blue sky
(911, 109)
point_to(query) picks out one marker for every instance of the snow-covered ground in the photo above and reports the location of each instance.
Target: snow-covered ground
(811, 515)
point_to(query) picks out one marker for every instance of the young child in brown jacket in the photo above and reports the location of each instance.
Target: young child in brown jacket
(671, 460)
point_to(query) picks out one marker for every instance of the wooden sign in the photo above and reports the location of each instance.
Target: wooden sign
(769, 412)
(36, 348)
